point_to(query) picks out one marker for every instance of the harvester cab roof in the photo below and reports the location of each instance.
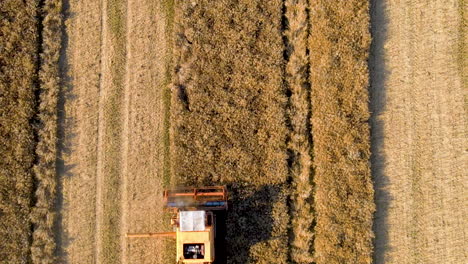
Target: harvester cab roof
(195, 237)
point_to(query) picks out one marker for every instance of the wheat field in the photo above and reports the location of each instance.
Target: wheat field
(338, 127)
(18, 77)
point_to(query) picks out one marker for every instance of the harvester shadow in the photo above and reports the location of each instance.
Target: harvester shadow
(220, 243)
(249, 221)
(64, 138)
(377, 91)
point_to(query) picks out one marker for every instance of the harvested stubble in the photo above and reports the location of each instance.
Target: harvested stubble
(300, 142)
(18, 68)
(42, 214)
(419, 122)
(228, 120)
(168, 10)
(339, 44)
(110, 142)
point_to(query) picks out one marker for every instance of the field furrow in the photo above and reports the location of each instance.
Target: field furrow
(111, 163)
(111, 178)
(300, 140)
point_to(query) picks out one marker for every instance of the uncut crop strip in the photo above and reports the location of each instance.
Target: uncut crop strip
(300, 142)
(228, 119)
(43, 215)
(339, 44)
(18, 80)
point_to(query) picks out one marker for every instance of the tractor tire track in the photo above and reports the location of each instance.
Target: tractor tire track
(100, 125)
(125, 143)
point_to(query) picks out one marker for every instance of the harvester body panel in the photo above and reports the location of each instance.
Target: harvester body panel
(203, 239)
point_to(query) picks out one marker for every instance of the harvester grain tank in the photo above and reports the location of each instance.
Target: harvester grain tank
(194, 221)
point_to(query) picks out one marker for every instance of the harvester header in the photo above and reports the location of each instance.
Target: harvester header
(196, 198)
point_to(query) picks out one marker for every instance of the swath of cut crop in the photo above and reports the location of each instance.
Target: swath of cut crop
(339, 45)
(300, 142)
(228, 118)
(18, 81)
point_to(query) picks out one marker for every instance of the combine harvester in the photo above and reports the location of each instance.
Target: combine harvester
(194, 222)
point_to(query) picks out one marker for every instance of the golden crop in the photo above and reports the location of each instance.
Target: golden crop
(339, 45)
(268, 98)
(228, 118)
(18, 84)
(28, 112)
(43, 211)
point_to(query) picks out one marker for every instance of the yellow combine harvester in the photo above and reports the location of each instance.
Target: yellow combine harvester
(194, 221)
